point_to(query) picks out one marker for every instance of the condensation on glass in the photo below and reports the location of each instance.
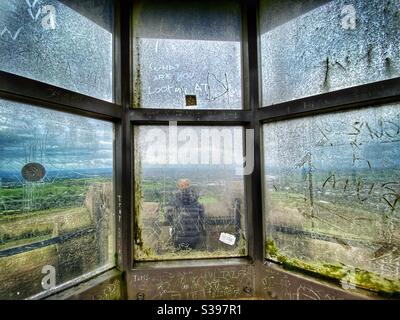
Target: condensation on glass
(313, 47)
(187, 55)
(64, 43)
(56, 198)
(332, 191)
(189, 193)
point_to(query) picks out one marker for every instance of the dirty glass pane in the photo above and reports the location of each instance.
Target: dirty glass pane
(332, 190)
(56, 203)
(64, 43)
(312, 47)
(189, 193)
(187, 55)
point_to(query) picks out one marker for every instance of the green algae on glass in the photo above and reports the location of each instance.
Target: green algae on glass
(188, 255)
(271, 249)
(141, 251)
(339, 272)
(137, 97)
(140, 248)
(137, 81)
(242, 246)
(144, 253)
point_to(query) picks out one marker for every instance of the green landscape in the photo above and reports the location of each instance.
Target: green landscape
(55, 207)
(155, 193)
(72, 214)
(346, 228)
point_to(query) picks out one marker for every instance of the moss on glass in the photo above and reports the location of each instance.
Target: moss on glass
(338, 272)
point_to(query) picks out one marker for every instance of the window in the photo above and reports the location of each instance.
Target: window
(189, 200)
(332, 195)
(148, 167)
(314, 47)
(187, 55)
(64, 43)
(56, 197)
(330, 181)
(189, 193)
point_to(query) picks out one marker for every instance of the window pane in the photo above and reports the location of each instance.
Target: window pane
(313, 47)
(56, 197)
(64, 43)
(332, 195)
(187, 55)
(189, 193)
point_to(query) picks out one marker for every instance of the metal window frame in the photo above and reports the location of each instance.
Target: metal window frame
(124, 117)
(227, 117)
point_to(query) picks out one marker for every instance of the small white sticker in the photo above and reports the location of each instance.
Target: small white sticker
(227, 238)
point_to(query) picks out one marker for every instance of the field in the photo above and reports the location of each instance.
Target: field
(156, 195)
(60, 193)
(50, 209)
(61, 223)
(65, 224)
(349, 231)
(346, 227)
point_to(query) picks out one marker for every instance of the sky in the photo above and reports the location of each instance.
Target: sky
(57, 140)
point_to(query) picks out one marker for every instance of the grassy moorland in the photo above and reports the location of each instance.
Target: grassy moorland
(346, 239)
(61, 193)
(43, 211)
